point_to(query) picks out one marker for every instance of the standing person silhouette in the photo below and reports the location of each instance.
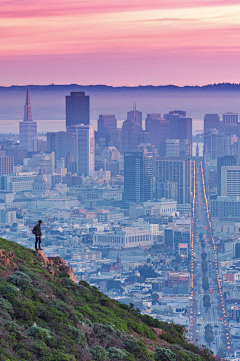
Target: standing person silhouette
(37, 231)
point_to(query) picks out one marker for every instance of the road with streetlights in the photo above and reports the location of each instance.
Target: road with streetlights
(215, 315)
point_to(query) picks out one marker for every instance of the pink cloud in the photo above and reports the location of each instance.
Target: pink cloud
(26, 9)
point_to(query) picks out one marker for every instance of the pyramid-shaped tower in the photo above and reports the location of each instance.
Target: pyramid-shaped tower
(27, 109)
(27, 128)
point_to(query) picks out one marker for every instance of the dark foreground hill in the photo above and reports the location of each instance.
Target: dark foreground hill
(45, 315)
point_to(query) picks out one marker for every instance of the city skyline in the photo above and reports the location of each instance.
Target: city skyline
(183, 43)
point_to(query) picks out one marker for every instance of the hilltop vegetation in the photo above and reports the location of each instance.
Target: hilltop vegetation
(44, 315)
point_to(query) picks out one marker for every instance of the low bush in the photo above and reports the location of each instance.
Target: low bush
(116, 353)
(39, 332)
(98, 353)
(164, 354)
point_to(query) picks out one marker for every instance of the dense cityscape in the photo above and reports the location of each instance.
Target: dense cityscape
(148, 213)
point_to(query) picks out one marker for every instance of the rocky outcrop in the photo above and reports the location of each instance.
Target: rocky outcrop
(7, 259)
(58, 263)
(158, 332)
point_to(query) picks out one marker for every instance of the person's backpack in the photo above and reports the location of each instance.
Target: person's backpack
(34, 230)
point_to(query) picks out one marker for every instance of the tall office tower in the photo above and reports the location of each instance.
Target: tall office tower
(172, 147)
(231, 124)
(130, 136)
(61, 143)
(6, 165)
(159, 130)
(107, 125)
(135, 115)
(138, 176)
(85, 150)
(211, 121)
(27, 128)
(211, 138)
(176, 170)
(230, 118)
(222, 161)
(77, 109)
(181, 128)
(211, 146)
(150, 118)
(230, 181)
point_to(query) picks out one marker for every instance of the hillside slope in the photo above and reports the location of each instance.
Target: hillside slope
(45, 315)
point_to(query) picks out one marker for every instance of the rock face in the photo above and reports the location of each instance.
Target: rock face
(158, 332)
(57, 262)
(7, 258)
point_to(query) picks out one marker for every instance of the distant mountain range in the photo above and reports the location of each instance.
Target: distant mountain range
(101, 87)
(48, 101)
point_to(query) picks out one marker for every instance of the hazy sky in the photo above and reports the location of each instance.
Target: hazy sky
(115, 42)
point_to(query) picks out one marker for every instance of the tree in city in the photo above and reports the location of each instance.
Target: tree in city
(206, 301)
(205, 284)
(148, 260)
(116, 285)
(203, 256)
(200, 235)
(204, 266)
(208, 335)
(155, 298)
(147, 272)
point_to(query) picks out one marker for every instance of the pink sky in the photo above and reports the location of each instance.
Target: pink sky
(119, 42)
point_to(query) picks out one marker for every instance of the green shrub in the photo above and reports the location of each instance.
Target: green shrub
(61, 306)
(99, 353)
(9, 291)
(116, 353)
(20, 279)
(164, 354)
(137, 348)
(39, 332)
(5, 305)
(78, 335)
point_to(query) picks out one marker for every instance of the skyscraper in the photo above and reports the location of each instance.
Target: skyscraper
(138, 176)
(6, 165)
(130, 136)
(85, 149)
(221, 161)
(159, 130)
(77, 109)
(61, 143)
(230, 118)
(211, 121)
(135, 115)
(27, 128)
(181, 128)
(211, 135)
(176, 170)
(107, 126)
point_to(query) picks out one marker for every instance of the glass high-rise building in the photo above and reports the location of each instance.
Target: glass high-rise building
(138, 176)
(221, 161)
(77, 109)
(85, 150)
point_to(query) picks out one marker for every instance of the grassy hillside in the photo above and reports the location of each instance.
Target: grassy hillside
(49, 317)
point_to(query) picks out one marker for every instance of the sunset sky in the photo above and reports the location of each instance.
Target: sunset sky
(119, 42)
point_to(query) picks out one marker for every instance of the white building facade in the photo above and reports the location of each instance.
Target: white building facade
(85, 149)
(128, 237)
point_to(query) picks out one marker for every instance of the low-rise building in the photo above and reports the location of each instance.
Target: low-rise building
(124, 237)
